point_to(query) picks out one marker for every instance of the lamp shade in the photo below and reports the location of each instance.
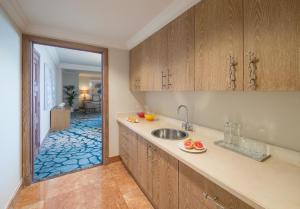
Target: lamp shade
(84, 91)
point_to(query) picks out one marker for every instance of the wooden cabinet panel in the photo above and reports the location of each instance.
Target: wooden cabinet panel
(219, 36)
(272, 34)
(192, 186)
(135, 67)
(132, 154)
(181, 52)
(128, 149)
(143, 167)
(165, 180)
(154, 61)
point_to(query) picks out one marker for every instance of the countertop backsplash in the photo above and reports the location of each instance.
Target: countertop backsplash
(270, 117)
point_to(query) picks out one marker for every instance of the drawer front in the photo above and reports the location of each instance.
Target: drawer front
(123, 130)
(197, 192)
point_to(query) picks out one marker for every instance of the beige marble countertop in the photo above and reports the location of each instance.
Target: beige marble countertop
(273, 184)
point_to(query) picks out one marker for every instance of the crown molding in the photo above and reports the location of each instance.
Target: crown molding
(74, 36)
(176, 8)
(67, 66)
(15, 12)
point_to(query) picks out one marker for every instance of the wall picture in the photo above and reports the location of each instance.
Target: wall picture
(49, 88)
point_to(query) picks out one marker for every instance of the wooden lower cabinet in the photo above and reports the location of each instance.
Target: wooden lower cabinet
(168, 183)
(192, 190)
(157, 175)
(165, 180)
(128, 149)
(144, 177)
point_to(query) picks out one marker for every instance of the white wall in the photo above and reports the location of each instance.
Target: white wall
(120, 98)
(46, 58)
(71, 78)
(10, 110)
(272, 117)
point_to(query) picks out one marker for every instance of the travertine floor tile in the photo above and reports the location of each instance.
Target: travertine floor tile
(103, 187)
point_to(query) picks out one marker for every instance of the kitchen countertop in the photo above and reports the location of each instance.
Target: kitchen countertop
(272, 184)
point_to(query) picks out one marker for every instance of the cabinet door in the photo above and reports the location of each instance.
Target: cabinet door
(219, 45)
(144, 176)
(192, 187)
(135, 68)
(272, 45)
(158, 48)
(181, 53)
(132, 153)
(165, 180)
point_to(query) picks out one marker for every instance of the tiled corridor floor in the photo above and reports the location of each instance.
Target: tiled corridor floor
(102, 187)
(77, 147)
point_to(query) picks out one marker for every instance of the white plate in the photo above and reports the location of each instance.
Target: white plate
(181, 146)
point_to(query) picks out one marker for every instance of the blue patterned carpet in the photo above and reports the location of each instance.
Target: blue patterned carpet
(71, 149)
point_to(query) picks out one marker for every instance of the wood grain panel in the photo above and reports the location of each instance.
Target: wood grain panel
(165, 180)
(272, 33)
(181, 51)
(218, 35)
(191, 188)
(135, 67)
(158, 59)
(27, 165)
(142, 169)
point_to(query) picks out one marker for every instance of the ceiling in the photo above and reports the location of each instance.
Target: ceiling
(109, 23)
(70, 59)
(77, 57)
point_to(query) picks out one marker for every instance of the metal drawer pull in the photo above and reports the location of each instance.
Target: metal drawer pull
(232, 71)
(252, 71)
(163, 76)
(214, 199)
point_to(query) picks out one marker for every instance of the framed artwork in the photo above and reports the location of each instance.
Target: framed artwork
(95, 87)
(49, 87)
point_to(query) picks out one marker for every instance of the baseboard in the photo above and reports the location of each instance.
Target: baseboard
(17, 191)
(114, 159)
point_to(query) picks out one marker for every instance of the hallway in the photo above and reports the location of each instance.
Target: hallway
(77, 147)
(103, 187)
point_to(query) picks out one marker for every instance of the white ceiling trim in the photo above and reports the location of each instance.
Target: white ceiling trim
(67, 66)
(167, 15)
(15, 12)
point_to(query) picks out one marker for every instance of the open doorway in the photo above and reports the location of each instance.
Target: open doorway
(67, 110)
(68, 129)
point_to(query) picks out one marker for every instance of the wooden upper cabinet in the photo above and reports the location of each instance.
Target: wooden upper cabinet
(157, 52)
(135, 66)
(272, 45)
(181, 49)
(148, 62)
(219, 45)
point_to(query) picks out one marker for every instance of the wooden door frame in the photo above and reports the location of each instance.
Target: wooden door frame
(27, 49)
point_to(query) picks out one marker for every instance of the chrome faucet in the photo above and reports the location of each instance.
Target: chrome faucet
(187, 126)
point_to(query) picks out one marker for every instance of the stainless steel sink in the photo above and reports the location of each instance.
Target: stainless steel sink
(171, 134)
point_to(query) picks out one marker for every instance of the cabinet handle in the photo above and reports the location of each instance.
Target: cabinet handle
(214, 199)
(252, 71)
(163, 76)
(138, 86)
(232, 70)
(169, 82)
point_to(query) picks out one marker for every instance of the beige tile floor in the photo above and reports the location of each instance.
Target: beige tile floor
(102, 187)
